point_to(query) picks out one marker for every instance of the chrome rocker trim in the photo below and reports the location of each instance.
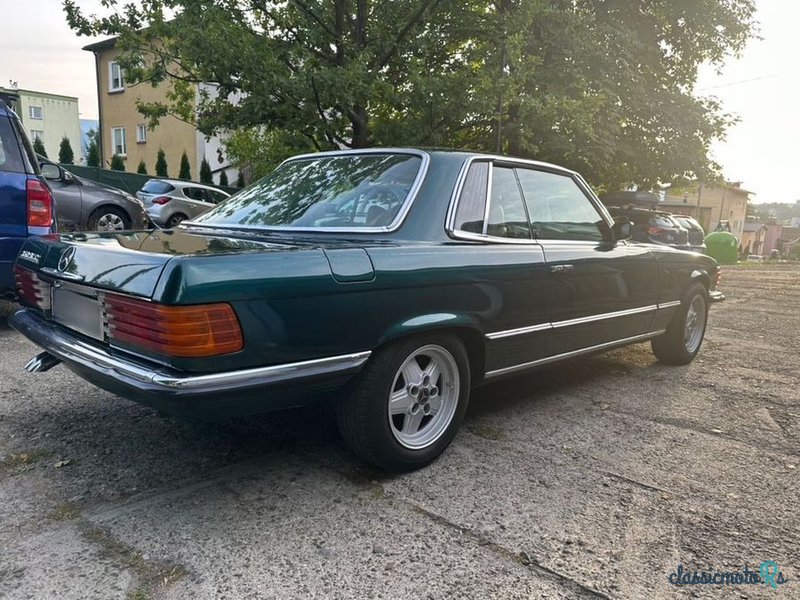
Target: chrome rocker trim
(573, 354)
(62, 346)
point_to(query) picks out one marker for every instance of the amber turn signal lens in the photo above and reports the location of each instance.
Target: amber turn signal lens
(196, 331)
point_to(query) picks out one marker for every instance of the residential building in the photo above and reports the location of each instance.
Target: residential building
(124, 130)
(752, 240)
(711, 205)
(48, 117)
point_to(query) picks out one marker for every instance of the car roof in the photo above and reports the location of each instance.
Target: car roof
(431, 152)
(184, 183)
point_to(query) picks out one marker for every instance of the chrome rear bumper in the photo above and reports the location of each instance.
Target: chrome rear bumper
(158, 386)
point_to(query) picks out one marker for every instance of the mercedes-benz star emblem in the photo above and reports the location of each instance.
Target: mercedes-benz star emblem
(66, 259)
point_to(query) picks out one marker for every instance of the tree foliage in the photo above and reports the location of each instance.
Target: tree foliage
(205, 172)
(603, 86)
(161, 164)
(92, 150)
(185, 169)
(142, 168)
(117, 163)
(240, 180)
(223, 178)
(38, 146)
(65, 154)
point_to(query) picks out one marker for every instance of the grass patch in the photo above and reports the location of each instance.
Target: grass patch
(486, 432)
(23, 461)
(64, 512)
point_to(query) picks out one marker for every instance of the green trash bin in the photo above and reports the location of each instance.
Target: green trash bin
(722, 246)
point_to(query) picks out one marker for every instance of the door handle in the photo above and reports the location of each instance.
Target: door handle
(561, 268)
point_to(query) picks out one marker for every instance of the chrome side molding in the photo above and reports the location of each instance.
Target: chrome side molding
(573, 354)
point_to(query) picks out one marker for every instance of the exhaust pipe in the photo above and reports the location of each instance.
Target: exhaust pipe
(42, 362)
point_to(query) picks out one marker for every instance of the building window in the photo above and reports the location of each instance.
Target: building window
(118, 140)
(37, 134)
(141, 133)
(115, 77)
(35, 112)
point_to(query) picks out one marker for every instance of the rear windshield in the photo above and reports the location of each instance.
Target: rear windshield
(157, 187)
(662, 221)
(10, 155)
(325, 192)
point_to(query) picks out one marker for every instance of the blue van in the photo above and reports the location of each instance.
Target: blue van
(26, 201)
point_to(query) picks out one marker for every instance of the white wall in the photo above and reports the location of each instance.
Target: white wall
(59, 118)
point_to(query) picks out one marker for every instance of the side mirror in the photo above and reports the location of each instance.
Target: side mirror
(68, 177)
(621, 230)
(51, 171)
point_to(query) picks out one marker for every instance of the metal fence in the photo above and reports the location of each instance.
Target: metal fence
(129, 182)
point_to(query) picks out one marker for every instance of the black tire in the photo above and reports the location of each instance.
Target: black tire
(672, 347)
(364, 413)
(106, 214)
(176, 220)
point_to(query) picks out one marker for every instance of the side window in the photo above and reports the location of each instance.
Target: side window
(217, 197)
(558, 208)
(195, 194)
(472, 202)
(507, 215)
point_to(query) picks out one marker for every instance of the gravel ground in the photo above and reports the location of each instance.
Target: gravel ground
(592, 479)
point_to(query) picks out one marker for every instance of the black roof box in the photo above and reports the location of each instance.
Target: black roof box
(641, 199)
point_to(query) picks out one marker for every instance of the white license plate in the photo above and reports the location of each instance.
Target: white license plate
(81, 311)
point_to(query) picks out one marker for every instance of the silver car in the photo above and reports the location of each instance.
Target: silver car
(170, 201)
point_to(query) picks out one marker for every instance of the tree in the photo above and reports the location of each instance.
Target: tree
(117, 163)
(38, 146)
(185, 170)
(223, 178)
(205, 172)
(142, 168)
(92, 150)
(240, 180)
(603, 87)
(65, 154)
(161, 164)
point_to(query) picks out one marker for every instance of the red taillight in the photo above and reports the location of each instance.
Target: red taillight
(195, 331)
(30, 289)
(40, 204)
(161, 200)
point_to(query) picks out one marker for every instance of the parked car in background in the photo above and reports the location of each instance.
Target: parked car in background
(171, 201)
(389, 281)
(697, 235)
(653, 227)
(26, 201)
(86, 205)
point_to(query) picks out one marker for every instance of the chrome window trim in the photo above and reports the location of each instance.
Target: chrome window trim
(570, 322)
(489, 178)
(393, 226)
(522, 163)
(573, 354)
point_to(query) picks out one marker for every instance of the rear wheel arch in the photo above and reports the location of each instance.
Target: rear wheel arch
(469, 335)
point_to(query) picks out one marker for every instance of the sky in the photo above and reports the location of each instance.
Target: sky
(762, 87)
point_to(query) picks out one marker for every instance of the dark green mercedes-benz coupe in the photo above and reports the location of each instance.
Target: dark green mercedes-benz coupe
(391, 281)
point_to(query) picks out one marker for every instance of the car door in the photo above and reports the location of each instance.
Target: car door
(197, 202)
(600, 290)
(67, 194)
(505, 265)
